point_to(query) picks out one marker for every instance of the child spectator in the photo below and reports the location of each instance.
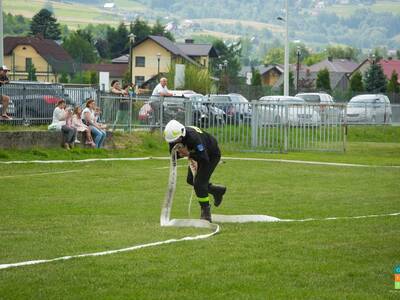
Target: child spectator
(80, 127)
(89, 119)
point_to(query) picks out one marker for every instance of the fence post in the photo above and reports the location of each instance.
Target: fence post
(286, 124)
(161, 114)
(188, 112)
(25, 120)
(130, 113)
(254, 125)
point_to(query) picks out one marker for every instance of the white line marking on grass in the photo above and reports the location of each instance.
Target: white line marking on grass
(219, 218)
(321, 163)
(39, 174)
(132, 248)
(223, 158)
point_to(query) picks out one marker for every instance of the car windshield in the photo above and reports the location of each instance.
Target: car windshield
(220, 99)
(362, 102)
(310, 98)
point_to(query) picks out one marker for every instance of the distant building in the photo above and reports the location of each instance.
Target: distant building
(270, 74)
(390, 65)
(48, 58)
(109, 5)
(116, 71)
(156, 54)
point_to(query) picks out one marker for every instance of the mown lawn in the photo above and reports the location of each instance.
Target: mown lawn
(109, 205)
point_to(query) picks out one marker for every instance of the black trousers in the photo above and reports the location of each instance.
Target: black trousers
(202, 178)
(68, 134)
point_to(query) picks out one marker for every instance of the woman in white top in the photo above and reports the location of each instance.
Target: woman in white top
(80, 127)
(89, 119)
(59, 124)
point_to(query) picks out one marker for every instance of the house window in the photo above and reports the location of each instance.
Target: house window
(28, 63)
(140, 61)
(139, 80)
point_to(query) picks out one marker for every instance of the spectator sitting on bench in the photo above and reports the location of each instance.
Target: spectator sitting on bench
(80, 127)
(89, 119)
(60, 124)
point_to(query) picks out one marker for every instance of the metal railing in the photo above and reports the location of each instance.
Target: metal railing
(255, 126)
(252, 126)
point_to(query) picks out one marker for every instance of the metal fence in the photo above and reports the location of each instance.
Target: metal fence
(256, 126)
(251, 126)
(34, 103)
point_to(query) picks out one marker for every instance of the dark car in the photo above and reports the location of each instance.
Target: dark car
(235, 106)
(35, 103)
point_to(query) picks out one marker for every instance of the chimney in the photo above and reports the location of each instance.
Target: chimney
(189, 41)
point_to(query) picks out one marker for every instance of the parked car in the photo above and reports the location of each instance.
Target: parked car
(326, 106)
(35, 102)
(271, 110)
(369, 109)
(235, 106)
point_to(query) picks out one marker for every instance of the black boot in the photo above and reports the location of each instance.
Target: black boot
(206, 212)
(218, 192)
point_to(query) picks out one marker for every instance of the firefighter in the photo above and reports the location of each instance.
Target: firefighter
(202, 150)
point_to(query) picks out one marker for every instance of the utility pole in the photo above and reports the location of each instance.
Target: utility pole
(286, 70)
(1, 34)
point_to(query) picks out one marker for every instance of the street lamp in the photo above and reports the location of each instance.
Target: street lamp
(286, 68)
(131, 37)
(298, 68)
(158, 65)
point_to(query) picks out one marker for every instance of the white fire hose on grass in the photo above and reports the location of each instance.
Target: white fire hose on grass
(165, 219)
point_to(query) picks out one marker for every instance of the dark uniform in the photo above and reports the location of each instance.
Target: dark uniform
(203, 148)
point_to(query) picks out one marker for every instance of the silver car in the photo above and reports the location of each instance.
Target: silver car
(369, 109)
(272, 110)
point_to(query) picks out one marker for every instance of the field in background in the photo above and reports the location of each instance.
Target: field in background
(380, 6)
(110, 205)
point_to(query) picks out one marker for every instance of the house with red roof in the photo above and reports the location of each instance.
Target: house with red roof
(49, 58)
(389, 66)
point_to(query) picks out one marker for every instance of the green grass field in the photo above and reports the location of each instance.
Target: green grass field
(110, 205)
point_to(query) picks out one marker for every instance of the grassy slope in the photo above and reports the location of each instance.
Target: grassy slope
(392, 6)
(52, 216)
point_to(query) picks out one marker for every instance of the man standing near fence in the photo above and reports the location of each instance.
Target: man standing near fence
(5, 100)
(161, 90)
(204, 155)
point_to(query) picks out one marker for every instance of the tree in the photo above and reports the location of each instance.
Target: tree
(342, 52)
(275, 56)
(306, 83)
(79, 48)
(292, 87)
(375, 79)
(314, 58)
(32, 73)
(398, 54)
(158, 29)
(356, 82)
(140, 29)
(118, 40)
(323, 80)
(63, 78)
(256, 77)
(45, 24)
(393, 84)
(228, 61)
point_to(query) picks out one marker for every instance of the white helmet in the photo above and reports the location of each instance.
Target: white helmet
(173, 131)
